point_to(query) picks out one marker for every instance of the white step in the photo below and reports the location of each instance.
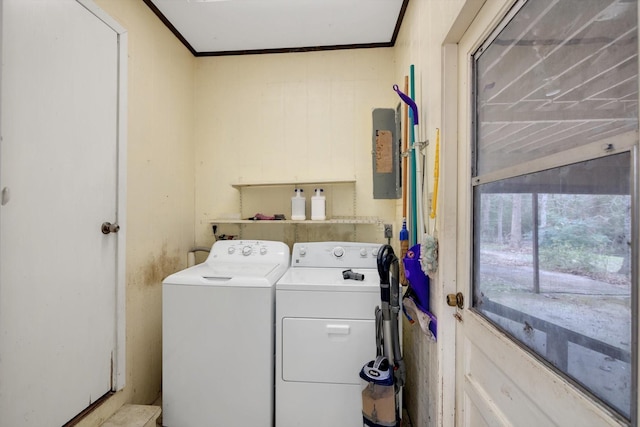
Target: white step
(134, 416)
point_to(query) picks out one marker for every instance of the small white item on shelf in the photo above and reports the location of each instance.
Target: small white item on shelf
(298, 207)
(318, 206)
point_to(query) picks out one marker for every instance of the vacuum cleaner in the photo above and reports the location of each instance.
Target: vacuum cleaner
(383, 378)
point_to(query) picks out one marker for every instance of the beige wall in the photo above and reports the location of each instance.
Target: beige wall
(289, 118)
(160, 190)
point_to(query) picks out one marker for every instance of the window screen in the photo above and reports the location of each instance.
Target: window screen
(561, 74)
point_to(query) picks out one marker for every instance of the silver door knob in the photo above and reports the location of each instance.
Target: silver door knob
(107, 228)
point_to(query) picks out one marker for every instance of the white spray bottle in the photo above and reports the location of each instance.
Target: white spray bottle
(318, 206)
(298, 207)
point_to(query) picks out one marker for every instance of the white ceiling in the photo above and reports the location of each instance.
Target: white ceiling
(223, 27)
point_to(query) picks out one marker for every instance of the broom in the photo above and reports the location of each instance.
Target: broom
(429, 252)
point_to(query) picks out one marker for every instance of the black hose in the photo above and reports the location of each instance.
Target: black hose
(379, 332)
(385, 258)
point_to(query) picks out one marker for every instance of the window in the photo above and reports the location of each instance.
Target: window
(555, 124)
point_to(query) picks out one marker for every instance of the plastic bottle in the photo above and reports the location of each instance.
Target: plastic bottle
(298, 203)
(318, 206)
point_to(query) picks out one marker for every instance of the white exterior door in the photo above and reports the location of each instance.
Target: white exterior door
(498, 382)
(59, 164)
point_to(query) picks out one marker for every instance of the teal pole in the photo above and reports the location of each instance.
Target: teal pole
(414, 181)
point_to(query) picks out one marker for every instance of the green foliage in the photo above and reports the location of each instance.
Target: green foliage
(578, 233)
(578, 247)
(583, 233)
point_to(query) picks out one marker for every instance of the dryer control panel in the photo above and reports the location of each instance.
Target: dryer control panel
(335, 254)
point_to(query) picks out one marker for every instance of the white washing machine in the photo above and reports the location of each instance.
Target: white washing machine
(218, 337)
(325, 333)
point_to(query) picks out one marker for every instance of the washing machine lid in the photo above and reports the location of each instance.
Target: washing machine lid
(328, 279)
(228, 274)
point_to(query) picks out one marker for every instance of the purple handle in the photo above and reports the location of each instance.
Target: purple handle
(407, 100)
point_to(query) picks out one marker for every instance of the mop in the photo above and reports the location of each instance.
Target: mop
(417, 225)
(417, 203)
(404, 233)
(424, 255)
(429, 252)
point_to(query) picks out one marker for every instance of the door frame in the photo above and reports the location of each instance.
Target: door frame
(452, 245)
(118, 378)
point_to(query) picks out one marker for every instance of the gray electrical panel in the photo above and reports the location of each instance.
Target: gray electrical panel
(387, 183)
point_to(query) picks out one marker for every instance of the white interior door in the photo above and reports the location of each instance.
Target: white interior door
(59, 169)
(498, 382)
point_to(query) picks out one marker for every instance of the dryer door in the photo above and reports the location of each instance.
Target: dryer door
(326, 350)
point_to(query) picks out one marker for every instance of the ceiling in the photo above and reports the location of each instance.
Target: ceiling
(232, 27)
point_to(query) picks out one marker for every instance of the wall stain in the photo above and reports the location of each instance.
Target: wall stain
(160, 266)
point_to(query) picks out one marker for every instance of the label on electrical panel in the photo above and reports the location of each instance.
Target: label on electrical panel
(384, 151)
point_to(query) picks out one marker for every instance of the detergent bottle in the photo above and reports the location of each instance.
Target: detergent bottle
(298, 207)
(318, 206)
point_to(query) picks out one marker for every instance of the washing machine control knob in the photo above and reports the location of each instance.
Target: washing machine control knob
(363, 252)
(338, 251)
(231, 249)
(303, 251)
(246, 251)
(263, 251)
(374, 252)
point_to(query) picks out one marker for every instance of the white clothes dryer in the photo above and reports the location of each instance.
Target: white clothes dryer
(325, 333)
(218, 337)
